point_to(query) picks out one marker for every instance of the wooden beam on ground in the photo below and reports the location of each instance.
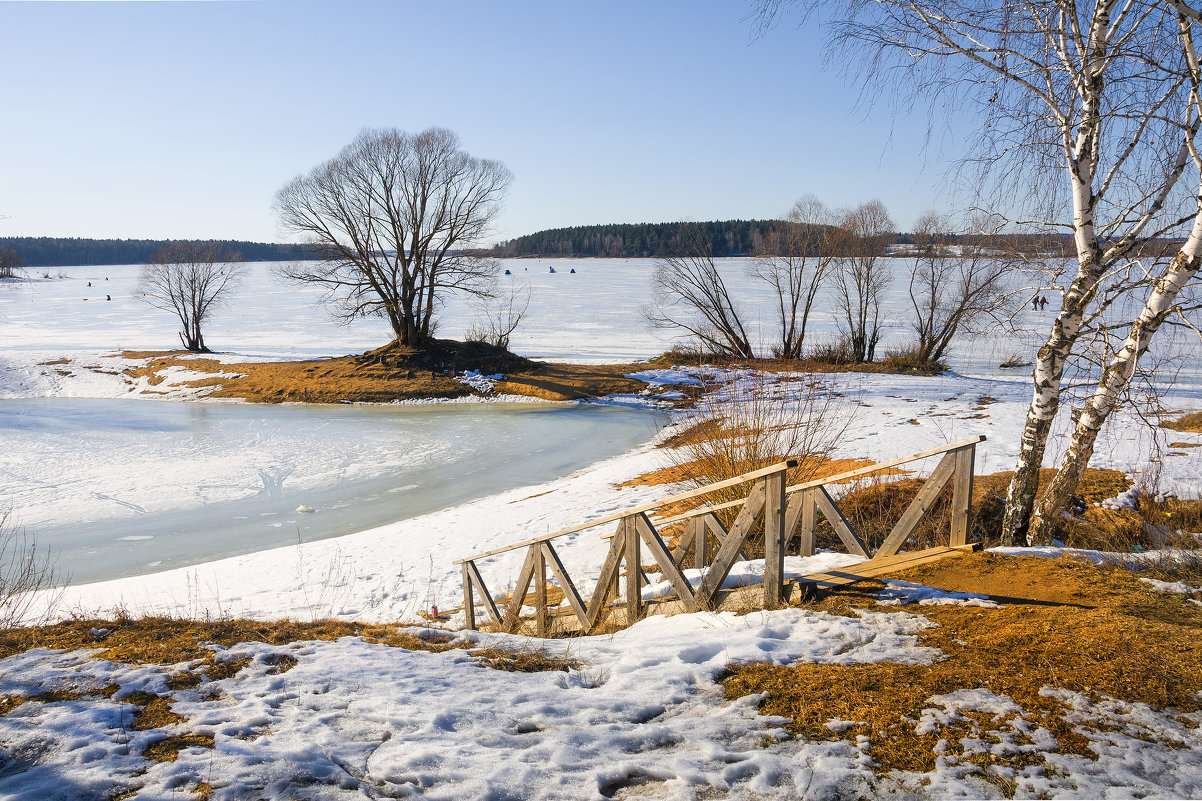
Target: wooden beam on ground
(918, 507)
(872, 568)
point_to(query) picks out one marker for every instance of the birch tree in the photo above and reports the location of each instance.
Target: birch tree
(395, 215)
(190, 280)
(1089, 116)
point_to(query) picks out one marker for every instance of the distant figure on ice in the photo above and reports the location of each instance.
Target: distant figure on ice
(89, 283)
(552, 269)
(1035, 303)
(573, 271)
(106, 278)
(108, 297)
(1043, 302)
(508, 273)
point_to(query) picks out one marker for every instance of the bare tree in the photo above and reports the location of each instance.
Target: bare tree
(861, 276)
(190, 279)
(10, 262)
(1090, 113)
(689, 294)
(956, 283)
(394, 215)
(501, 312)
(797, 256)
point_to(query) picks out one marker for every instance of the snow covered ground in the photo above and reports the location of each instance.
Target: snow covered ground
(641, 718)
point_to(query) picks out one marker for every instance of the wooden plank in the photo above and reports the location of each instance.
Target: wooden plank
(701, 543)
(646, 507)
(469, 607)
(962, 495)
(715, 527)
(540, 590)
(490, 606)
(851, 540)
(732, 546)
(513, 612)
(774, 539)
(918, 507)
(669, 568)
(854, 573)
(686, 539)
(634, 573)
(809, 509)
(607, 583)
(818, 482)
(565, 583)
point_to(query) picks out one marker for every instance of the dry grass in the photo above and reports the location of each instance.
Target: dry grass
(530, 660)
(392, 373)
(1189, 422)
(1066, 624)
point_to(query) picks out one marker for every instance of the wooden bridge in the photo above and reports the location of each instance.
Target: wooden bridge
(786, 511)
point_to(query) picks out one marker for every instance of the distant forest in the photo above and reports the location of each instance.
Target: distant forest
(726, 238)
(635, 240)
(55, 251)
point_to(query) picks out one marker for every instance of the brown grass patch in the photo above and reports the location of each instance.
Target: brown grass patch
(524, 661)
(391, 373)
(1066, 624)
(1189, 422)
(168, 748)
(170, 641)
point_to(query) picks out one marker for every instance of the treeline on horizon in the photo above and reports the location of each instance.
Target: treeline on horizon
(725, 237)
(58, 251)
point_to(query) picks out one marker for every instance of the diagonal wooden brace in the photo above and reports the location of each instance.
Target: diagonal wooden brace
(669, 569)
(918, 507)
(851, 540)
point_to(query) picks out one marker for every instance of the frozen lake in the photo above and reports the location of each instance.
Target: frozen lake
(122, 487)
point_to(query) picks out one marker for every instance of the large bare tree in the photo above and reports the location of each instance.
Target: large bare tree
(190, 279)
(690, 295)
(395, 215)
(1089, 117)
(956, 283)
(796, 258)
(862, 275)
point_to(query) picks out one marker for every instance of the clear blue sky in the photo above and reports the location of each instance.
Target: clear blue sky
(182, 119)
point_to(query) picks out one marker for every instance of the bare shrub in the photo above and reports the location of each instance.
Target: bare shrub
(690, 295)
(10, 263)
(500, 315)
(24, 572)
(751, 424)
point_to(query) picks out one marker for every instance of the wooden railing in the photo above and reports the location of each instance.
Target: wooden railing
(786, 510)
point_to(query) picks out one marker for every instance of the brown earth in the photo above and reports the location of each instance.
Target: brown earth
(1065, 624)
(393, 373)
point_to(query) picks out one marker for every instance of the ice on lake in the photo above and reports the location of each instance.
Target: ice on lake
(115, 486)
